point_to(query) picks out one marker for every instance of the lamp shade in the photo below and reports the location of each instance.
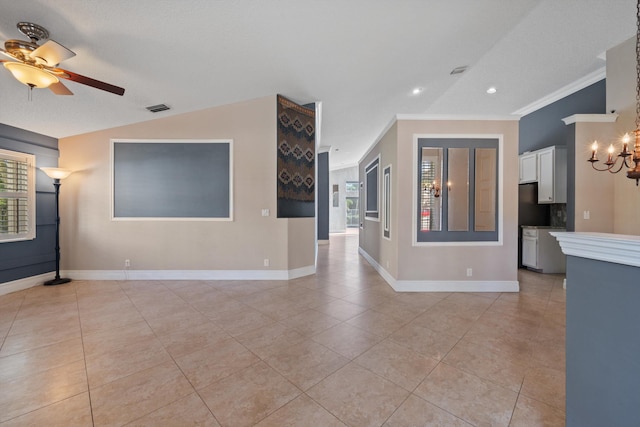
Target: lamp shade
(30, 75)
(56, 173)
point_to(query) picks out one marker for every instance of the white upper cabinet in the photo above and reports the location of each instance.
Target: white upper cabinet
(528, 167)
(552, 175)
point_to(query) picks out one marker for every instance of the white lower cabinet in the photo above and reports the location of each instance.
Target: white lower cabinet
(530, 251)
(541, 251)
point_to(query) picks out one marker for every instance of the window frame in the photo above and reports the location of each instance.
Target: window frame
(499, 190)
(30, 160)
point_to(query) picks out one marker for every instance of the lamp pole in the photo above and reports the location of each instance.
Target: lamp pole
(57, 175)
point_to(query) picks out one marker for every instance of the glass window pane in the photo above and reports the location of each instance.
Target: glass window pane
(458, 189)
(430, 188)
(485, 191)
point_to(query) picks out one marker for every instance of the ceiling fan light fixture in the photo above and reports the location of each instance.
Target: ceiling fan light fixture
(30, 75)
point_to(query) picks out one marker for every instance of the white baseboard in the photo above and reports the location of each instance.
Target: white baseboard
(442, 285)
(456, 286)
(301, 272)
(26, 283)
(189, 274)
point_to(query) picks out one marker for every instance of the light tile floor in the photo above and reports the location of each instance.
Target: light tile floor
(337, 348)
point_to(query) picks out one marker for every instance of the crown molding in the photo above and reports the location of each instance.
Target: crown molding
(590, 118)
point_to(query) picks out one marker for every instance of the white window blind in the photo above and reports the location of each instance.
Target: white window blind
(17, 196)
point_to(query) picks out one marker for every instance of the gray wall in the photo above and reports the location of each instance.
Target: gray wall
(19, 260)
(603, 344)
(323, 196)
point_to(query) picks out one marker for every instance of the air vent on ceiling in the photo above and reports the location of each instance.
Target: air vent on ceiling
(458, 70)
(158, 108)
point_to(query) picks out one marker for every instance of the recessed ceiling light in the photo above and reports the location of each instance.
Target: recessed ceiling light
(417, 91)
(492, 90)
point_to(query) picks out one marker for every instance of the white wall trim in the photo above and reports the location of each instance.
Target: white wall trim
(301, 272)
(457, 286)
(442, 285)
(189, 274)
(381, 271)
(565, 91)
(114, 141)
(590, 118)
(26, 283)
(615, 248)
(414, 191)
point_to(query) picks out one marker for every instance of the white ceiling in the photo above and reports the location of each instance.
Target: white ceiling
(360, 58)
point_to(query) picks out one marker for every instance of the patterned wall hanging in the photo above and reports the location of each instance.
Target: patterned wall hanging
(296, 159)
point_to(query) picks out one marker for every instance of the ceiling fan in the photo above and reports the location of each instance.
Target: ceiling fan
(36, 65)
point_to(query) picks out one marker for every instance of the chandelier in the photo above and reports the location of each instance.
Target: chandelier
(623, 156)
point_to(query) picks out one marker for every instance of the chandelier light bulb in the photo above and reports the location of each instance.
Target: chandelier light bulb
(626, 138)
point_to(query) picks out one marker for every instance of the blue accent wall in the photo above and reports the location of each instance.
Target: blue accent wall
(19, 260)
(323, 196)
(603, 344)
(545, 127)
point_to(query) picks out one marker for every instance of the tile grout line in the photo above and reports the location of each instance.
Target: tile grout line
(4, 338)
(195, 390)
(84, 358)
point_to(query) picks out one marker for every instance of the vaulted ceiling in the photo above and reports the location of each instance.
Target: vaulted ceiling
(360, 58)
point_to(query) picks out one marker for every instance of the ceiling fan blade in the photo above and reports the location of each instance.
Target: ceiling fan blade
(51, 53)
(91, 82)
(60, 89)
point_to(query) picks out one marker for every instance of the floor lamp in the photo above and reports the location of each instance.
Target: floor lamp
(57, 175)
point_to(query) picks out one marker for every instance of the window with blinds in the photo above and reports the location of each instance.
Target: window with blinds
(17, 196)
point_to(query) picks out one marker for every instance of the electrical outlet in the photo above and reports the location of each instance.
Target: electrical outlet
(266, 262)
(469, 272)
(586, 215)
(265, 212)
(127, 263)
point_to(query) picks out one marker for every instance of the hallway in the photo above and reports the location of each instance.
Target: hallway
(337, 348)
